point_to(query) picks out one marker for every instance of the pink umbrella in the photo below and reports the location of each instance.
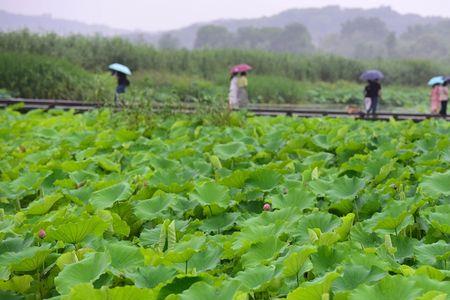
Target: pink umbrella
(240, 68)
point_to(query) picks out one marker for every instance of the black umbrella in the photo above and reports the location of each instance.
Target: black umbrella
(371, 75)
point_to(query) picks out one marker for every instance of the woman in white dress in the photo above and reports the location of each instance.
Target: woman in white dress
(233, 100)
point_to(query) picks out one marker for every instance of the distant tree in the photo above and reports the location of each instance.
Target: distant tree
(391, 44)
(426, 41)
(295, 38)
(363, 38)
(168, 41)
(368, 28)
(212, 36)
(256, 38)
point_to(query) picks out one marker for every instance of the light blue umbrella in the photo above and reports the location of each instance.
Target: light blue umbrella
(371, 75)
(120, 68)
(436, 80)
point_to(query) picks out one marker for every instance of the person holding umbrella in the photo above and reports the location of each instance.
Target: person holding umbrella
(436, 91)
(242, 90)
(444, 97)
(372, 91)
(239, 86)
(233, 101)
(121, 72)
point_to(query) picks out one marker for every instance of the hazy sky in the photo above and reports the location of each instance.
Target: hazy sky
(153, 15)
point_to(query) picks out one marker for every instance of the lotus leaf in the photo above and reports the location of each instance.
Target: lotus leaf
(84, 271)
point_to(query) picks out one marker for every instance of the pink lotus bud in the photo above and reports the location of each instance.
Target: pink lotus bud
(267, 207)
(42, 234)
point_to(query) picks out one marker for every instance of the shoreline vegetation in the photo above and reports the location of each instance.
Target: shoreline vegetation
(51, 66)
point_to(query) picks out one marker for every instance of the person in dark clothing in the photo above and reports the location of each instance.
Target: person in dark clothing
(122, 83)
(444, 99)
(373, 91)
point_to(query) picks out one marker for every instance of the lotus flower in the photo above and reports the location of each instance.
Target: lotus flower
(42, 234)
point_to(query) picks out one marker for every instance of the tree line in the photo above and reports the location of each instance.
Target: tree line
(361, 38)
(96, 53)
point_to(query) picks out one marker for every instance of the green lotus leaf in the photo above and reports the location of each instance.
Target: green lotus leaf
(326, 258)
(26, 260)
(107, 164)
(15, 244)
(67, 259)
(43, 205)
(80, 196)
(86, 291)
(4, 273)
(219, 223)
(262, 251)
(405, 246)
(168, 177)
(120, 227)
(83, 176)
(85, 271)
(180, 256)
(130, 292)
(19, 284)
(314, 290)
(153, 208)
(294, 263)
(437, 183)
(323, 221)
(389, 288)
(427, 284)
(167, 237)
(124, 256)
(317, 160)
(299, 198)
(430, 272)
(10, 295)
(106, 197)
(149, 277)
(354, 275)
(438, 217)
(430, 254)
(205, 260)
(177, 286)
(373, 167)
(230, 150)
(264, 179)
(29, 181)
(211, 193)
(340, 188)
(253, 278)
(236, 179)
(389, 224)
(433, 295)
(75, 232)
(323, 141)
(202, 290)
(344, 229)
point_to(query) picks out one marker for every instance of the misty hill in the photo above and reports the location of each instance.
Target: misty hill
(46, 23)
(320, 22)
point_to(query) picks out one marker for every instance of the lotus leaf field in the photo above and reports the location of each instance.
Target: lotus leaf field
(263, 208)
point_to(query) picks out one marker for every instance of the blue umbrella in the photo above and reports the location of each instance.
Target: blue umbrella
(436, 80)
(120, 68)
(371, 75)
(447, 79)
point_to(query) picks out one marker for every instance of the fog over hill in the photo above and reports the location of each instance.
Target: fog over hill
(351, 32)
(319, 21)
(46, 23)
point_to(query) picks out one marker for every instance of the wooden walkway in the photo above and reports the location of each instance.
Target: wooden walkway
(260, 110)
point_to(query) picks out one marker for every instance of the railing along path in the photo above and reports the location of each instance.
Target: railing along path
(259, 110)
